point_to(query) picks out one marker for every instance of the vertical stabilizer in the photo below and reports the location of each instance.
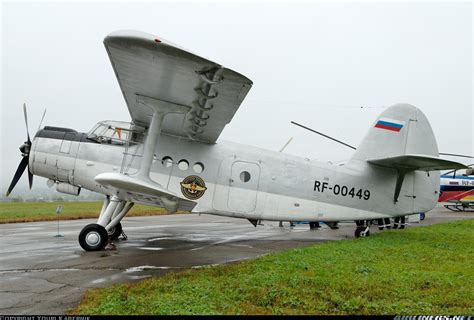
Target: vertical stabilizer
(401, 129)
(401, 146)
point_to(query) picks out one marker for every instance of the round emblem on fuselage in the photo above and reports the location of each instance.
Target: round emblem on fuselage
(193, 187)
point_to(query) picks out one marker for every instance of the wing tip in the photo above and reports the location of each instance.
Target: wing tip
(121, 35)
(123, 38)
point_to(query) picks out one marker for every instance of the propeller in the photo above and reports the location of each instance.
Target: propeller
(25, 153)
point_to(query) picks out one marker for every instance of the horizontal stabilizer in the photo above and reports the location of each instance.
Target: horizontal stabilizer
(141, 191)
(411, 162)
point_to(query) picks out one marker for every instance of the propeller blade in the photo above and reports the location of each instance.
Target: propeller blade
(30, 179)
(18, 174)
(26, 122)
(41, 122)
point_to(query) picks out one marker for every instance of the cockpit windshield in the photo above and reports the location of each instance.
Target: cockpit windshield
(116, 133)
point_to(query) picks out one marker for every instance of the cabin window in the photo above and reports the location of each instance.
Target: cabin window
(183, 164)
(198, 167)
(167, 162)
(244, 176)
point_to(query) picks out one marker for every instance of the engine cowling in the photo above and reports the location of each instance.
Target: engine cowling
(68, 188)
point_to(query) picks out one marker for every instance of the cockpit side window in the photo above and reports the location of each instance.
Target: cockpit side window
(115, 133)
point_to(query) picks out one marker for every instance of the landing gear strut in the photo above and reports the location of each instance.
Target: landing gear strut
(115, 232)
(94, 237)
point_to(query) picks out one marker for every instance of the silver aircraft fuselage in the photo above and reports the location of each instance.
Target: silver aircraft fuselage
(240, 181)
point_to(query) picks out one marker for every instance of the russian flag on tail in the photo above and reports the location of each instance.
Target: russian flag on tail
(389, 124)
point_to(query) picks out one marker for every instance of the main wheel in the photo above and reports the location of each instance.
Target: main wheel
(93, 237)
(359, 232)
(115, 232)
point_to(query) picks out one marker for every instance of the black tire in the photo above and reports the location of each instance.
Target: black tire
(93, 237)
(115, 232)
(359, 230)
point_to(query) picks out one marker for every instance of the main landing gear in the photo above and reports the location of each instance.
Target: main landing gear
(362, 229)
(95, 236)
(115, 232)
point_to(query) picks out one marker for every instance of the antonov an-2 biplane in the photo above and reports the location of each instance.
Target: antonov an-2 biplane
(168, 156)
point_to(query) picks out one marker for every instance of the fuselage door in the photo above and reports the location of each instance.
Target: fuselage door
(244, 183)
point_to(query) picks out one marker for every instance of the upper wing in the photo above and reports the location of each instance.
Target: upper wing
(152, 67)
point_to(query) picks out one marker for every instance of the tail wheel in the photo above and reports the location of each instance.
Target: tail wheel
(115, 232)
(93, 237)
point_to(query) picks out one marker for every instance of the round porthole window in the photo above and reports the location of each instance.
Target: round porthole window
(183, 164)
(198, 167)
(167, 161)
(244, 176)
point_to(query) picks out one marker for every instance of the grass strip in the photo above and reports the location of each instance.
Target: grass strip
(425, 270)
(11, 212)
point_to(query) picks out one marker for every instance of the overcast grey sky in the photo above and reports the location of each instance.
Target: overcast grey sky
(316, 63)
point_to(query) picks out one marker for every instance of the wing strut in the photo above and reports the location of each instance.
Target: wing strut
(159, 108)
(141, 181)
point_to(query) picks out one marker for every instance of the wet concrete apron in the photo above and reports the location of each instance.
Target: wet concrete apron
(44, 274)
